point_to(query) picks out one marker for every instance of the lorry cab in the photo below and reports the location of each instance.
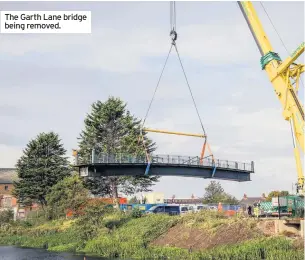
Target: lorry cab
(164, 209)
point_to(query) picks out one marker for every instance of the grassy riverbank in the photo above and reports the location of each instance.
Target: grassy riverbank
(204, 235)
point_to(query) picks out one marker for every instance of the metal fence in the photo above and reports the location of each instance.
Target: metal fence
(171, 160)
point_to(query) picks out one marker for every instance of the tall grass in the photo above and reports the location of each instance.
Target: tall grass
(278, 248)
(131, 238)
(57, 235)
(212, 220)
(124, 236)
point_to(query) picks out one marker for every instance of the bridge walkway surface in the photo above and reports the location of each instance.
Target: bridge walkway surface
(164, 165)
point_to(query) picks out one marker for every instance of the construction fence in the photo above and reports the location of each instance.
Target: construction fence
(290, 206)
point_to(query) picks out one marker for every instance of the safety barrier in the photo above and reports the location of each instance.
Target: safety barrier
(169, 160)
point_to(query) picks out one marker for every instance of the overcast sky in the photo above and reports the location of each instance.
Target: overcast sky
(48, 82)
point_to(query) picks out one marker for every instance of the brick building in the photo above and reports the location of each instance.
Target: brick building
(7, 177)
(250, 201)
(7, 200)
(191, 200)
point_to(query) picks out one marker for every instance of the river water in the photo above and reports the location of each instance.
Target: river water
(16, 253)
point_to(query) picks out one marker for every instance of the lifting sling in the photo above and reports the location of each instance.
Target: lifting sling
(174, 36)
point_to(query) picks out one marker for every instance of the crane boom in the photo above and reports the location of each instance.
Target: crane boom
(284, 76)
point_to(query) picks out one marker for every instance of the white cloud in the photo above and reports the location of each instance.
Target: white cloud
(9, 155)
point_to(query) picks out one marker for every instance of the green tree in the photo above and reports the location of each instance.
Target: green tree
(276, 193)
(67, 194)
(110, 128)
(229, 199)
(133, 200)
(214, 193)
(41, 166)
(89, 223)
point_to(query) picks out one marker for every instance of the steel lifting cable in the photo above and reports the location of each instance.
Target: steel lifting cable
(173, 26)
(172, 16)
(173, 35)
(189, 87)
(149, 107)
(156, 88)
(275, 28)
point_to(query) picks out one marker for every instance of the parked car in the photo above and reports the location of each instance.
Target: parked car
(213, 208)
(193, 208)
(184, 209)
(165, 209)
(201, 207)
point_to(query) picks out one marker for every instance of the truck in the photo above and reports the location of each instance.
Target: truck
(291, 206)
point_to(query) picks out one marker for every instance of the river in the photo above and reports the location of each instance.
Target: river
(17, 253)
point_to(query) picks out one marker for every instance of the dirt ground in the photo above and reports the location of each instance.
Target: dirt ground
(298, 243)
(267, 227)
(197, 238)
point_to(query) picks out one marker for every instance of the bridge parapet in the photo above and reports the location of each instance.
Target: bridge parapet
(122, 158)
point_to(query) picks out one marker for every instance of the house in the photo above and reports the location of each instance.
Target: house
(7, 200)
(153, 198)
(191, 200)
(7, 177)
(250, 201)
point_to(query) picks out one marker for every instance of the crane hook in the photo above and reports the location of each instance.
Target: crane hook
(173, 34)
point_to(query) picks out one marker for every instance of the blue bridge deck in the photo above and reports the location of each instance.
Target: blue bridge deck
(164, 165)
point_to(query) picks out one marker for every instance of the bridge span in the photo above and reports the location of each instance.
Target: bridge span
(164, 165)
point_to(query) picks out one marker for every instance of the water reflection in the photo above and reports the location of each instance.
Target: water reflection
(15, 253)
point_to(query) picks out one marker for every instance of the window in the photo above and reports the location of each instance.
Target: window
(172, 210)
(5, 187)
(184, 209)
(153, 208)
(167, 209)
(159, 209)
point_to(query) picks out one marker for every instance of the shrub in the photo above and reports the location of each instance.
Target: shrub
(136, 213)
(91, 220)
(6, 216)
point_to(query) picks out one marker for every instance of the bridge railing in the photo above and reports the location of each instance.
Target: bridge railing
(172, 160)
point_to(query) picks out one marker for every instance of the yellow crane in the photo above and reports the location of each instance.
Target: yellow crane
(285, 79)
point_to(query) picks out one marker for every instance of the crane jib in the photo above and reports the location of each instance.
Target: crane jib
(283, 85)
(300, 108)
(245, 13)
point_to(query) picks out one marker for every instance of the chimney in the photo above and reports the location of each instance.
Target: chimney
(173, 198)
(245, 196)
(263, 196)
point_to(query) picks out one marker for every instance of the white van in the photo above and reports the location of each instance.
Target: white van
(201, 207)
(184, 209)
(195, 208)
